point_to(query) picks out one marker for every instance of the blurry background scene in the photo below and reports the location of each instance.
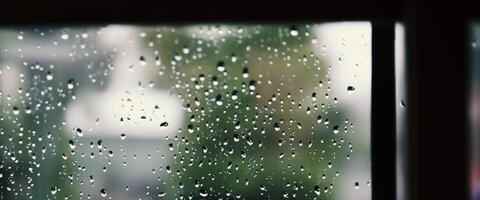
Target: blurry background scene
(226, 111)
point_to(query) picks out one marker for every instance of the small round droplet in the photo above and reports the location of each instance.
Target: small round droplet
(49, 75)
(157, 61)
(319, 119)
(91, 179)
(221, 66)
(234, 95)
(64, 36)
(71, 144)
(143, 62)
(15, 110)
(335, 129)
(70, 83)
(28, 110)
(293, 31)
(245, 72)
(350, 89)
(79, 132)
(263, 188)
(316, 189)
(190, 128)
(276, 127)
(185, 50)
(236, 137)
(103, 193)
(218, 100)
(54, 190)
(251, 85)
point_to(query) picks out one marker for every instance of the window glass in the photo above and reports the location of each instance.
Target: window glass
(228, 111)
(475, 114)
(401, 110)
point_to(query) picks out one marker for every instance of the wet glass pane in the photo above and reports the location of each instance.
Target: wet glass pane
(475, 113)
(227, 111)
(401, 111)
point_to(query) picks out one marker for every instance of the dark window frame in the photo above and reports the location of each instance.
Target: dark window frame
(437, 39)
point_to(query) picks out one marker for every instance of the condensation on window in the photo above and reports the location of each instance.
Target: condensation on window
(227, 111)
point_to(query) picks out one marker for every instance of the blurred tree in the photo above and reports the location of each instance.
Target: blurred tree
(260, 122)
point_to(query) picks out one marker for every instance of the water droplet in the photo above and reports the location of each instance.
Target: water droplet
(221, 66)
(214, 80)
(177, 57)
(143, 62)
(186, 50)
(72, 144)
(357, 185)
(161, 194)
(252, 85)
(350, 89)
(64, 36)
(299, 125)
(15, 110)
(218, 100)
(319, 119)
(28, 110)
(234, 95)
(79, 132)
(103, 193)
(70, 83)
(164, 124)
(99, 144)
(293, 31)
(203, 193)
(245, 72)
(237, 125)
(54, 190)
(190, 128)
(236, 137)
(276, 127)
(316, 189)
(123, 136)
(335, 129)
(249, 140)
(263, 188)
(49, 75)
(157, 61)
